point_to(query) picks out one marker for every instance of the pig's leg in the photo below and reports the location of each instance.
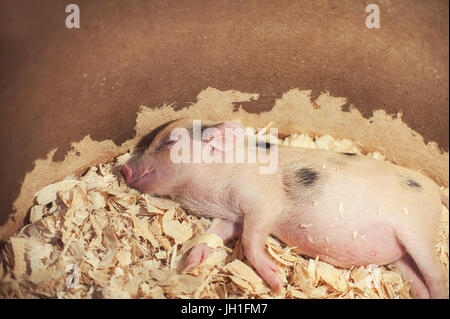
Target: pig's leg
(411, 273)
(420, 246)
(224, 229)
(258, 223)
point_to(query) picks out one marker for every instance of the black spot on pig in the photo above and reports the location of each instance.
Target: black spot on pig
(303, 181)
(413, 184)
(410, 183)
(264, 144)
(307, 177)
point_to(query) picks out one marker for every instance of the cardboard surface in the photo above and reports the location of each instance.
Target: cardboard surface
(60, 85)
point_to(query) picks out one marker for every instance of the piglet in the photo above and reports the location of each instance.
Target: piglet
(347, 209)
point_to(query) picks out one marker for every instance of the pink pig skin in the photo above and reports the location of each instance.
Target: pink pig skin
(348, 209)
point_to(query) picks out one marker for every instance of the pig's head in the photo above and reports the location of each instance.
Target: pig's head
(158, 172)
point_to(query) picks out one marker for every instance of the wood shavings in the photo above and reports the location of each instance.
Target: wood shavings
(36, 213)
(49, 193)
(277, 257)
(377, 156)
(245, 277)
(212, 240)
(178, 285)
(324, 142)
(119, 243)
(19, 247)
(331, 276)
(180, 232)
(302, 140)
(161, 203)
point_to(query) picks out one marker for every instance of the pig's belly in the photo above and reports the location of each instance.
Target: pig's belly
(344, 246)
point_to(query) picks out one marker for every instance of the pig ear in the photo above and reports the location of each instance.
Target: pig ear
(226, 136)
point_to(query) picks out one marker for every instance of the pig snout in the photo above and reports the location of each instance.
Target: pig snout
(137, 176)
(127, 173)
(133, 175)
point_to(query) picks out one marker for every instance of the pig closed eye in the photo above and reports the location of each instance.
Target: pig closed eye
(164, 145)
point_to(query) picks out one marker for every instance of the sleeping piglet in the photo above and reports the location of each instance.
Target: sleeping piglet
(347, 209)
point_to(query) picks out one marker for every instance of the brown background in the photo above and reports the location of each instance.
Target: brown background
(58, 85)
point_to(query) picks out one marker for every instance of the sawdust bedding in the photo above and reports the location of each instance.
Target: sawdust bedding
(94, 237)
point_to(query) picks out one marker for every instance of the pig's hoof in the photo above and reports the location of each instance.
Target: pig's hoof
(196, 256)
(275, 283)
(268, 271)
